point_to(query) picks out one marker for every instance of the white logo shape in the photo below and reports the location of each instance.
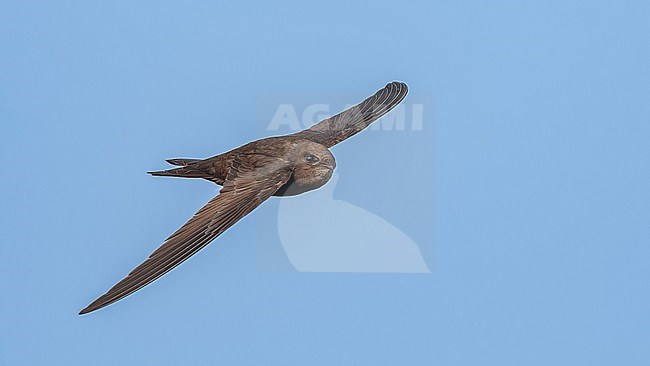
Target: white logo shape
(321, 234)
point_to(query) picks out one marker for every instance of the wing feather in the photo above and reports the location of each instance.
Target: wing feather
(348, 123)
(242, 192)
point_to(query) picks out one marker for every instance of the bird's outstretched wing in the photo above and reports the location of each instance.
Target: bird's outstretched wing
(244, 189)
(335, 129)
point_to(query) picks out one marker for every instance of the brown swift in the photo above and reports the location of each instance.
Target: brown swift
(276, 166)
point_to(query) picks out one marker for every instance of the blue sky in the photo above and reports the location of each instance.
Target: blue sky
(526, 191)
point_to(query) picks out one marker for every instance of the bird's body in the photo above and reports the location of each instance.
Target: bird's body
(271, 150)
(275, 166)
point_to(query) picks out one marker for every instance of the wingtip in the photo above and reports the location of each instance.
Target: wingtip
(398, 83)
(401, 87)
(92, 307)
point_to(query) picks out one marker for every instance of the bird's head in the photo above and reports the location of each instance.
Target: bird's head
(314, 164)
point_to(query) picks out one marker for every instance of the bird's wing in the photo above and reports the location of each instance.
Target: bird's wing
(335, 129)
(245, 189)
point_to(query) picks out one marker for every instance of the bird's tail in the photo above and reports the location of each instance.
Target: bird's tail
(186, 170)
(182, 162)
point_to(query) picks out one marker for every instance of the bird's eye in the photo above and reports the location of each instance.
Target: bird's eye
(311, 158)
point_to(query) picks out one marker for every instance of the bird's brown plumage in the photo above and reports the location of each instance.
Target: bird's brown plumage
(250, 174)
(344, 125)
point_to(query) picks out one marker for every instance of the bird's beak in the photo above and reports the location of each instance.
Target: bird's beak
(328, 164)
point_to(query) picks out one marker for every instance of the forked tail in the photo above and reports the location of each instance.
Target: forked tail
(182, 162)
(186, 170)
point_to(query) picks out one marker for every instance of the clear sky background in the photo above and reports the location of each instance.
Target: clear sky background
(528, 191)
